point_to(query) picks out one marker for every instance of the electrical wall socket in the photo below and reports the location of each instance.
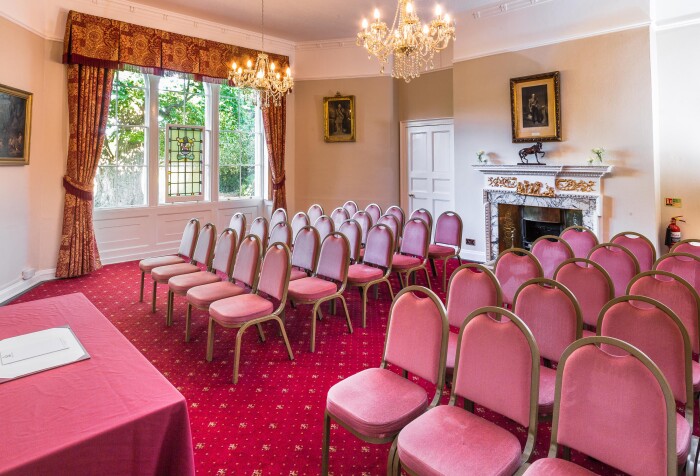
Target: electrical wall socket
(470, 241)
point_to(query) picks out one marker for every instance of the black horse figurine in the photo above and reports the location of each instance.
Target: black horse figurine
(535, 149)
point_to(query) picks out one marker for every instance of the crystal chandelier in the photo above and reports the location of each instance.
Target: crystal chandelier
(270, 84)
(412, 44)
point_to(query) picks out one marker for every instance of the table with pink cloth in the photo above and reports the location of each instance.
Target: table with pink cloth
(111, 414)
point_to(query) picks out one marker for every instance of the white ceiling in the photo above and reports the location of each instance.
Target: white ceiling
(303, 20)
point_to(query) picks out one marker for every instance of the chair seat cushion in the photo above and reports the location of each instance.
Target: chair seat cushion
(376, 402)
(405, 262)
(162, 274)
(555, 467)
(297, 274)
(696, 375)
(452, 338)
(548, 377)
(203, 296)
(450, 440)
(683, 431)
(239, 309)
(311, 288)
(149, 263)
(182, 283)
(362, 273)
(440, 251)
(587, 333)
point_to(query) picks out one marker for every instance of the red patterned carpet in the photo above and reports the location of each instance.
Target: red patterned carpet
(271, 422)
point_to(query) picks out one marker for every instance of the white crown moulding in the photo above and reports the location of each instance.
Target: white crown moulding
(502, 8)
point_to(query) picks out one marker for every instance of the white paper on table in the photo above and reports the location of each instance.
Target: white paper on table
(38, 351)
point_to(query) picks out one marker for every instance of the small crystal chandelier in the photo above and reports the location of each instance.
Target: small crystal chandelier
(270, 84)
(412, 44)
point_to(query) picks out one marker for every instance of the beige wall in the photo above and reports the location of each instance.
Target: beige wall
(605, 101)
(366, 170)
(427, 97)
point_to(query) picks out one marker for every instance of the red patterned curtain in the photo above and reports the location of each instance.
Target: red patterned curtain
(275, 121)
(89, 91)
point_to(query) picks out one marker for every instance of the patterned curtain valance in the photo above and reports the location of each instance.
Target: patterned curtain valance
(97, 41)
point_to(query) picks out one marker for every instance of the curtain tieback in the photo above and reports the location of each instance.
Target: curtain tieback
(74, 188)
(278, 185)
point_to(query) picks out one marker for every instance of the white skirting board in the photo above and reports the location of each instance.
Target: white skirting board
(19, 286)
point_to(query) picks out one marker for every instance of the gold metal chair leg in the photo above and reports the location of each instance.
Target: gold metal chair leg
(333, 309)
(326, 443)
(143, 276)
(313, 327)
(444, 275)
(188, 318)
(364, 307)
(237, 353)
(284, 336)
(427, 278)
(391, 290)
(153, 300)
(393, 460)
(169, 312)
(432, 267)
(347, 314)
(376, 291)
(261, 333)
(210, 340)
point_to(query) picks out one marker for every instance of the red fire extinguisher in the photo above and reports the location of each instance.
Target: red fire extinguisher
(673, 232)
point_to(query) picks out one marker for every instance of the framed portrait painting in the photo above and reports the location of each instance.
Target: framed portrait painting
(535, 108)
(339, 118)
(15, 125)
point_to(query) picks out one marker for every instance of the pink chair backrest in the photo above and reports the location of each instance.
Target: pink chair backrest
(325, 227)
(306, 247)
(592, 418)
(375, 211)
(496, 363)
(551, 252)
(416, 333)
(687, 246)
(448, 229)
(247, 260)
(416, 238)
(299, 221)
(225, 252)
(685, 265)
(551, 313)
(278, 216)
(380, 246)
(281, 233)
(393, 223)
(353, 232)
(259, 228)
(652, 330)
(674, 292)
(189, 238)
(471, 286)
(314, 212)
(640, 246)
(238, 224)
(365, 221)
(618, 261)
(339, 215)
(424, 215)
(350, 207)
(274, 273)
(581, 240)
(589, 283)
(513, 267)
(334, 258)
(205, 245)
(398, 213)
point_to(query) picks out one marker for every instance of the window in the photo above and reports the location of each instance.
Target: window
(122, 172)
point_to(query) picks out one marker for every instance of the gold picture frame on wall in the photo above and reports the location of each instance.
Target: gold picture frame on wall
(339, 118)
(15, 125)
(535, 108)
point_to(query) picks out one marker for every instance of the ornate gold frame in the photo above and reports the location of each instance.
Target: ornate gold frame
(551, 132)
(328, 104)
(27, 97)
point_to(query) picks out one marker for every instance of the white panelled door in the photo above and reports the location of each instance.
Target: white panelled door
(427, 166)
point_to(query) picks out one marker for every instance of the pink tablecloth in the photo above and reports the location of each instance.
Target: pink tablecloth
(111, 414)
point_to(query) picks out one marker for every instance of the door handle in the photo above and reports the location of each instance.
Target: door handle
(411, 195)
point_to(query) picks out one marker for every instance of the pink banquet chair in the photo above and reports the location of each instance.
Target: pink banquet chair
(375, 211)
(393, 223)
(243, 280)
(591, 286)
(299, 221)
(513, 267)
(413, 254)
(328, 281)
(685, 265)
(639, 245)
(617, 409)
(238, 224)
(281, 233)
(350, 207)
(353, 232)
(424, 215)
(580, 238)
(618, 261)
(224, 257)
(690, 246)
(374, 404)
(184, 253)
(365, 221)
(551, 251)
(338, 216)
(397, 212)
(498, 368)
(305, 253)
(265, 303)
(314, 212)
(201, 257)
(447, 243)
(260, 228)
(376, 265)
(655, 330)
(553, 315)
(471, 286)
(278, 216)
(325, 227)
